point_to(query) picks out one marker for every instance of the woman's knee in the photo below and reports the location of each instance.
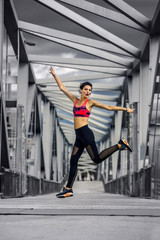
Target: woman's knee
(96, 160)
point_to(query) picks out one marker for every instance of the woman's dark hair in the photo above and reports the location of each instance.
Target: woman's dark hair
(84, 84)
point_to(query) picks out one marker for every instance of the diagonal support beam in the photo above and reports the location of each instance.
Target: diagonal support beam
(91, 26)
(105, 13)
(155, 21)
(130, 12)
(88, 50)
(72, 38)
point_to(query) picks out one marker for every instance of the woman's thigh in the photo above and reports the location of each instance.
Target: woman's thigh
(89, 142)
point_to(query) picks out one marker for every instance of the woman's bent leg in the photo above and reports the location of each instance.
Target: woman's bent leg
(98, 158)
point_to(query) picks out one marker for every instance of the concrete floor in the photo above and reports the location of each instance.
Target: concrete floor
(90, 214)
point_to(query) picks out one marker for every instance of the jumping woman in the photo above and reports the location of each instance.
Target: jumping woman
(84, 135)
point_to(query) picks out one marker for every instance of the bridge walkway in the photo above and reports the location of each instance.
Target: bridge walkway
(89, 214)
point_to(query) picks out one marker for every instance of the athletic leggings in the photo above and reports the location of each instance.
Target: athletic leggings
(85, 139)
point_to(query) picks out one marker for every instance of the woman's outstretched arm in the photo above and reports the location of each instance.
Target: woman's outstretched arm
(62, 87)
(111, 108)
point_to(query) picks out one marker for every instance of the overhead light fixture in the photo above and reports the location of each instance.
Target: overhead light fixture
(29, 43)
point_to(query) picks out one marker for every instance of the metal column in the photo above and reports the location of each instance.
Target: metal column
(1, 63)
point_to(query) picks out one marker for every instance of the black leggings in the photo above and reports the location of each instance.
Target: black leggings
(85, 139)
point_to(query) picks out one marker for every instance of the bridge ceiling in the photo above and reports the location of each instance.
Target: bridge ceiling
(93, 40)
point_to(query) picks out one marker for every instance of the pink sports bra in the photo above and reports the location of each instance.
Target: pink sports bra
(81, 111)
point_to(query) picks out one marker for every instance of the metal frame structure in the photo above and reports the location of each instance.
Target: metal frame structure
(36, 132)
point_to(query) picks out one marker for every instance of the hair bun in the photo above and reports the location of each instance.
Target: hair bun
(82, 85)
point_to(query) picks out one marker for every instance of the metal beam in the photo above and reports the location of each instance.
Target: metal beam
(17, 41)
(47, 137)
(76, 85)
(22, 83)
(55, 6)
(113, 71)
(90, 77)
(155, 21)
(1, 40)
(130, 12)
(73, 61)
(158, 73)
(72, 38)
(1, 71)
(89, 50)
(10, 16)
(104, 12)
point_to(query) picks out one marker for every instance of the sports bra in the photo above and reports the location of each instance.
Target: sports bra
(81, 111)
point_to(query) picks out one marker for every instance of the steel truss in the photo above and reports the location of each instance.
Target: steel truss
(36, 132)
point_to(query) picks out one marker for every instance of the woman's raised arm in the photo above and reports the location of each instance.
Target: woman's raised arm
(61, 86)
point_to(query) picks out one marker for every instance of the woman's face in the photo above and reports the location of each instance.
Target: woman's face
(86, 91)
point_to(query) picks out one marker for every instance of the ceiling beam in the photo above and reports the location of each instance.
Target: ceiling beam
(130, 12)
(155, 29)
(84, 77)
(104, 45)
(124, 61)
(76, 85)
(111, 70)
(73, 61)
(105, 13)
(55, 6)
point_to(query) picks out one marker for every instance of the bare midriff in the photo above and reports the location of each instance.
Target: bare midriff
(80, 122)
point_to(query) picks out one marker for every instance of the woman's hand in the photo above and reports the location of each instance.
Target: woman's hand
(130, 110)
(52, 71)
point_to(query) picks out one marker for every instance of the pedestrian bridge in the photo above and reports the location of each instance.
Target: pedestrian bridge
(115, 45)
(89, 214)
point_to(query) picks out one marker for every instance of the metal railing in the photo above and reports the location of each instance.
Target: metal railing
(50, 186)
(33, 186)
(156, 175)
(137, 184)
(10, 185)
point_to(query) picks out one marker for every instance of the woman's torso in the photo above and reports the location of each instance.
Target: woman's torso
(82, 121)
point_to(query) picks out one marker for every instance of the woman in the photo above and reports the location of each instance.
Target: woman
(84, 135)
